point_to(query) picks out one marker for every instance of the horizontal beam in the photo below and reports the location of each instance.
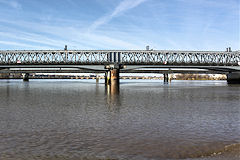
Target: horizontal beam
(125, 57)
(126, 67)
(143, 51)
(121, 71)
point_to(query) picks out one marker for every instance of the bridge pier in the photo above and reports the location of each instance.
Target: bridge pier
(112, 81)
(108, 77)
(97, 79)
(233, 78)
(112, 75)
(165, 78)
(25, 77)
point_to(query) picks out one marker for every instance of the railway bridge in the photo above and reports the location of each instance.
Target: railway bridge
(113, 62)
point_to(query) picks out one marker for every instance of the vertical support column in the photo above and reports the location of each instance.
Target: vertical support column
(110, 57)
(114, 57)
(165, 78)
(114, 76)
(25, 77)
(233, 78)
(108, 77)
(105, 77)
(119, 57)
(114, 80)
(97, 79)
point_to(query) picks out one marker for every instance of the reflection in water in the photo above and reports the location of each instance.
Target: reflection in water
(113, 97)
(143, 119)
(7, 92)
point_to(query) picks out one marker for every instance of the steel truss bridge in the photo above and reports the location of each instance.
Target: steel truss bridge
(90, 57)
(133, 60)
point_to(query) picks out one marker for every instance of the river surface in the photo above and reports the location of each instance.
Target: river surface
(146, 120)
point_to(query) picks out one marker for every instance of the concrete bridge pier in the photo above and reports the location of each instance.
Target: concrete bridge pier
(233, 78)
(165, 78)
(25, 77)
(108, 77)
(112, 82)
(97, 79)
(112, 74)
(112, 77)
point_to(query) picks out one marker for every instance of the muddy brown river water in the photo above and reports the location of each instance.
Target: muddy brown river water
(146, 120)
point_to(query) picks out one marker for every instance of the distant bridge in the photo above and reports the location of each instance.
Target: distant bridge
(128, 61)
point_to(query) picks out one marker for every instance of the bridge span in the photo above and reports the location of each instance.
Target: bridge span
(112, 62)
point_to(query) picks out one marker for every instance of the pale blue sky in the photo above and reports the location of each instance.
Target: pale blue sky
(120, 24)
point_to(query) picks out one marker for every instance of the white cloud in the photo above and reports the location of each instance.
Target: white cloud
(12, 3)
(21, 45)
(177, 30)
(122, 7)
(34, 38)
(55, 36)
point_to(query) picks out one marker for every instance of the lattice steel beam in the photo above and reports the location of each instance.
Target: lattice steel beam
(128, 57)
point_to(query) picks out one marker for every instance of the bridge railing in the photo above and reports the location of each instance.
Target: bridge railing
(134, 57)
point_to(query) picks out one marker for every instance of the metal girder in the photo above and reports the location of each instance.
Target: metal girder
(121, 71)
(127, 57)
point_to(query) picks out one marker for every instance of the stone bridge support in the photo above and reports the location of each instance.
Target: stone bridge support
(233, 78)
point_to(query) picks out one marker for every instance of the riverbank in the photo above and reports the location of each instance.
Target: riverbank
(171, 76)
(230, 152)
